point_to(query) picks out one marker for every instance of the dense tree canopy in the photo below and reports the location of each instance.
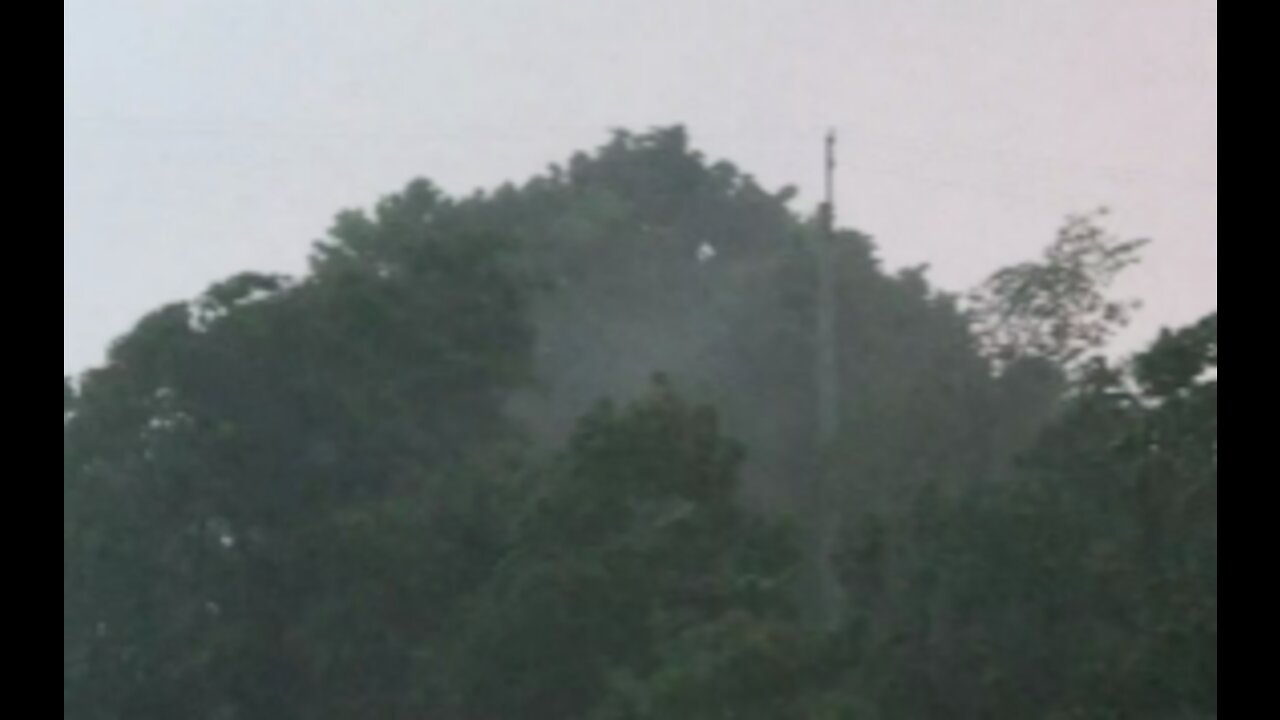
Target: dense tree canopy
(397, 487)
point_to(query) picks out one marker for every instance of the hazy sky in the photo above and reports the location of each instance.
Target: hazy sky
(205, 137)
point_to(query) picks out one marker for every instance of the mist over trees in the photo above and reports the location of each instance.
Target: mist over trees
(549, 452)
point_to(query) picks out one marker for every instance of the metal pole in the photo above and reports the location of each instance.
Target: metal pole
(822, 515)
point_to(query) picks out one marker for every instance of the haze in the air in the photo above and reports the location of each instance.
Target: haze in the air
(205, 137)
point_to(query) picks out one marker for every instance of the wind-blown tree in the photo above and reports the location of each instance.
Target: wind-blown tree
(1057, 308)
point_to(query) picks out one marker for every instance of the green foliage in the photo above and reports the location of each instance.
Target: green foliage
(632, 540)
(1087, 587)
(1057, 308)
(389, 489)
(738, 665)
(242, 480)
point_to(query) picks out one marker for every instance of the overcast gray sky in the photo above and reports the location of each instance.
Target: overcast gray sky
(205, 137)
